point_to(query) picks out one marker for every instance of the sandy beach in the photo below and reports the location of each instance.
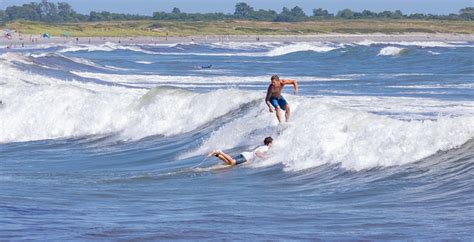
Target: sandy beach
(19, 41)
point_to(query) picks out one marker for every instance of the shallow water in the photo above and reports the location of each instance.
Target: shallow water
(109, 142)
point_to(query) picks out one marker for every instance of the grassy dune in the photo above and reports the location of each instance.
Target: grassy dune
(173, 28)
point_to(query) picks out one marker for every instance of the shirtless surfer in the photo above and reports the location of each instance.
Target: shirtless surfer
(274, 99)
(244, 156)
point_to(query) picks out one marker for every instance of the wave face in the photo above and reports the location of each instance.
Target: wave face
(53, 109)
(112, 139)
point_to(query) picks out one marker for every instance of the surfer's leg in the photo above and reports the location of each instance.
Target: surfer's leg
(226, 158)
(278, 114)
(287, 112)
(274, 102)
(223, 156)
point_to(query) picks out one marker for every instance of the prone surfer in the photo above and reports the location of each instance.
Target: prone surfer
(275, 100)
(244, 156)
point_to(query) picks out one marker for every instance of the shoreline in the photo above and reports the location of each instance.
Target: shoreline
(19, 41)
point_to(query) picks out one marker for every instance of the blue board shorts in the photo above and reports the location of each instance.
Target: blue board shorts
(278, 101)
(239, 159)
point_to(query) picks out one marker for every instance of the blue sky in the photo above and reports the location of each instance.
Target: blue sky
(147, 7)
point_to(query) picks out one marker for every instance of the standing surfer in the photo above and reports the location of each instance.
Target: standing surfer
(274, 99)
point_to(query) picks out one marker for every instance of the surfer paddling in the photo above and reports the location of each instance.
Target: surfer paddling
(244, 156)
(275, 100)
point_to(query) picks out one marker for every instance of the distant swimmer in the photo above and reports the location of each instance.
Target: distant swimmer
(244, 156)
(274, 99)
(206, 67)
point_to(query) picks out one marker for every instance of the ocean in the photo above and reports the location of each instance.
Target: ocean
(109, 141)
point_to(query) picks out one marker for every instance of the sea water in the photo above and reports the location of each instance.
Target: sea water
(107, 142)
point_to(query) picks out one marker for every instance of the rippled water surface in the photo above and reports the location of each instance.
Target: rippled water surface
(109, 142)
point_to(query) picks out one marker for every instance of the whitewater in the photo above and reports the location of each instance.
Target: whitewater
(109, 141)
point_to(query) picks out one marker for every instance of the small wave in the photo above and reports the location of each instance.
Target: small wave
(245, 45)
(107, 47)
(115, 68)
(15, 57)
(144, 62)
(41, 60)
(300, 47)
(392, 51)
(148, 80)
(424, 44)
(438, 86)
(263, 49)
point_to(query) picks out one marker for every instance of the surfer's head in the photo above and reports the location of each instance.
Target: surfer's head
(275, 80)
(268, 141)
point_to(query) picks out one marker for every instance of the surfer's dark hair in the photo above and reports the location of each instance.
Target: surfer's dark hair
(268, 140)
(275, 77)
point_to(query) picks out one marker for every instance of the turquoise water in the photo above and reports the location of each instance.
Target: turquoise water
(107, 142)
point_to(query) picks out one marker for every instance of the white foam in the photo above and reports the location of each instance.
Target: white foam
(359, 140)
(391, 51)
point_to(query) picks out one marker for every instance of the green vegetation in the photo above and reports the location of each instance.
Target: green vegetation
(62, 12)
(240, 27)
(61, 19)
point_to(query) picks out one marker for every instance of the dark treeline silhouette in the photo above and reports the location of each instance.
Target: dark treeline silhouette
(62, 12)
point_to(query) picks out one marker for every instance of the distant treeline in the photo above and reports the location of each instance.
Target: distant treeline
(62, 12)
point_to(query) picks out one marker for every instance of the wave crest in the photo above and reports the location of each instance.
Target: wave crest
(300, 47)
(392, 51)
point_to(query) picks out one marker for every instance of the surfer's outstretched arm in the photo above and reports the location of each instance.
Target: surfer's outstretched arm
(293, 82)
(223, 156)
